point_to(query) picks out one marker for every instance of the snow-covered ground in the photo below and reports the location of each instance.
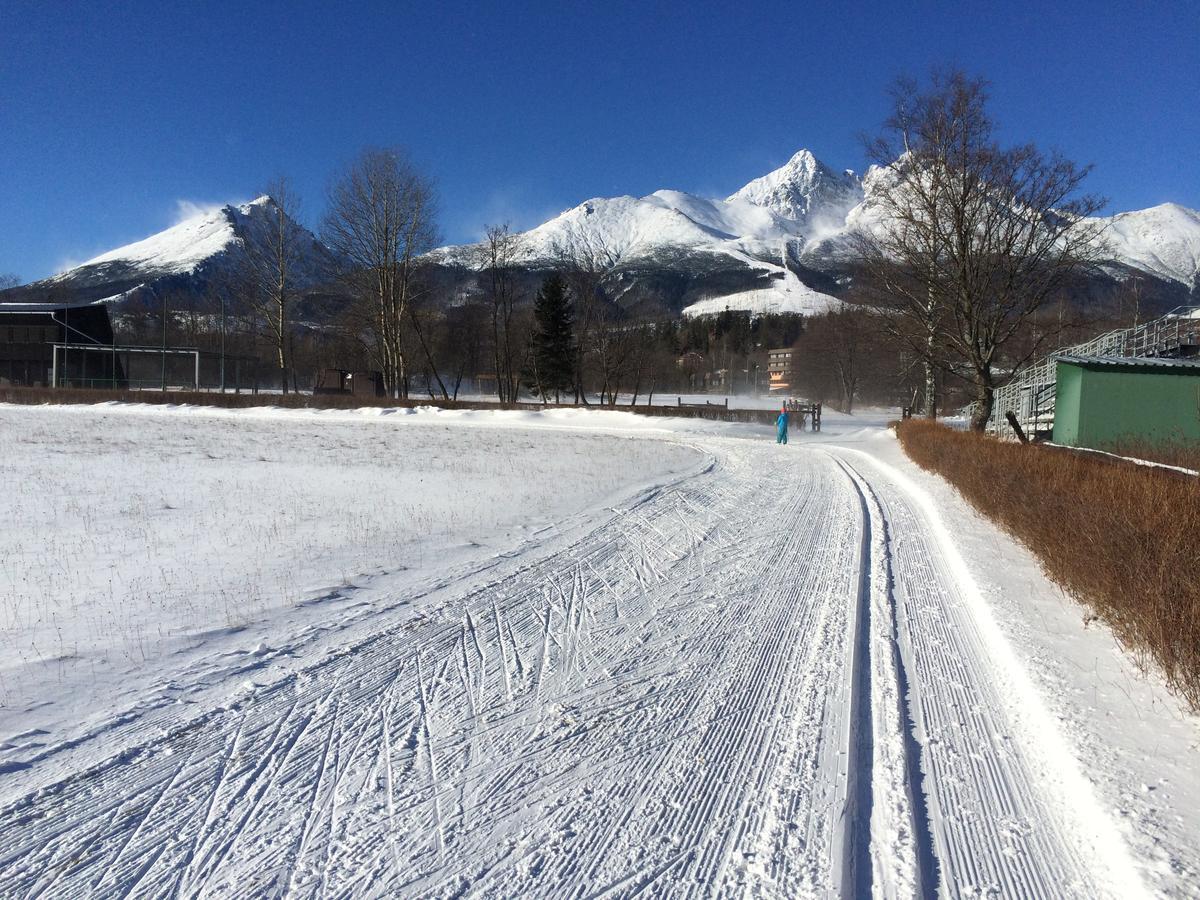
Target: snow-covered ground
(594, 654)
(787, 294)
(140, 530)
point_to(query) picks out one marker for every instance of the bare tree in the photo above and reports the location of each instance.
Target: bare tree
(974, 238)
(838, 353)
(426, 312)
(461, 342)
(614, 344)
(8, 280)
(584, 259)
(271, 277)
(498, 260)
(381, 220)
(645, 361)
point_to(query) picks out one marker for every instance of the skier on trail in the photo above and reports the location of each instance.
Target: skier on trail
(781, 425)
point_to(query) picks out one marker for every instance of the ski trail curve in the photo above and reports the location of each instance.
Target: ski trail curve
(769, 678)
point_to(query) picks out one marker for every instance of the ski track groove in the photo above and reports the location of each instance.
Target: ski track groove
(997, 828)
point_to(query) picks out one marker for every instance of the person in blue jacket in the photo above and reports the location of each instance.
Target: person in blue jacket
(781, 425)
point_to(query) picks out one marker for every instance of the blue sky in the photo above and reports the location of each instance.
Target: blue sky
(115, 117)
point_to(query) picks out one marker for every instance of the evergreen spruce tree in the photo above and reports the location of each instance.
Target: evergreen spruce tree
(552, 352)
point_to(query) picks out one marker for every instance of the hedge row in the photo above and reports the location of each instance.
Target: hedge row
(1123, 539)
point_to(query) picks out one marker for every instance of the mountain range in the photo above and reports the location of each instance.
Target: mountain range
(780, 243)
(783, 243)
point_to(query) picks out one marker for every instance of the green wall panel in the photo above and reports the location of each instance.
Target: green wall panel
(1098, 406)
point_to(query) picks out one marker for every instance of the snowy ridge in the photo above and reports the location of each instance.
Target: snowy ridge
(624, 228)
(714, 254)
(181, 247)
(804, 204)
(1163, 240)
(212, 246)
(752, 230)
(787, 204)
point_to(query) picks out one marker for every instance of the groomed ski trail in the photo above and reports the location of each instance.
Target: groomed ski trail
(770, 678)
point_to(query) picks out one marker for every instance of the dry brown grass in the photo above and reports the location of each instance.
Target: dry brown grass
(1123, 539)
(1186, 456)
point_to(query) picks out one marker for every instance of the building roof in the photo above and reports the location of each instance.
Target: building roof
(1131, 362)
(46, 307)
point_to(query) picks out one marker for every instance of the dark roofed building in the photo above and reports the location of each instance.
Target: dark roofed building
(29, 332)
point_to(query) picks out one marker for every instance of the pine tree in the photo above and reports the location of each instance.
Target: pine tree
(552, 350)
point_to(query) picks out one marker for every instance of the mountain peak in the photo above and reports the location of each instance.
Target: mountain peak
(210, 246)
(805, 190)
(263, 202)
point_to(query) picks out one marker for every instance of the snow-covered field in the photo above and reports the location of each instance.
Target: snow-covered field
(595, 655)
(137, 531)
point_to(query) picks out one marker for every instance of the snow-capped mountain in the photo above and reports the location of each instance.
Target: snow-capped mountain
(807, 192)
(210, 248)
(675, 250)
(1163, 240)
(783, 242)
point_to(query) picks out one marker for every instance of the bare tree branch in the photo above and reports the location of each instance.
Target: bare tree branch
(972, 240)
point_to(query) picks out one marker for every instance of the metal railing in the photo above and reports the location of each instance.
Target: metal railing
(1029, 395)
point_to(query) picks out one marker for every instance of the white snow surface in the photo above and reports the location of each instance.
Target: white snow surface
(310, 501)
(787, 294)
(569, 653)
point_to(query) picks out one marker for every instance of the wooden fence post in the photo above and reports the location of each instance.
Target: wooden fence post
(1016, 426)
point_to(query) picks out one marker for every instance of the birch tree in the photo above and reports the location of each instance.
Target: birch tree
(498, 263)
(272, 264)
(381, 219)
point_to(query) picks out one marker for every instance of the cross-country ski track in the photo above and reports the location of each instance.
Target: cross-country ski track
(773, 676)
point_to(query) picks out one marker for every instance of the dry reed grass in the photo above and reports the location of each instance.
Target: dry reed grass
(1123, 539)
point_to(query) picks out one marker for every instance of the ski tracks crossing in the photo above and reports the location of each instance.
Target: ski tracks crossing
(767, 679)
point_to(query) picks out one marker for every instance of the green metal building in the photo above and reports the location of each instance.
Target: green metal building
(1101, 401)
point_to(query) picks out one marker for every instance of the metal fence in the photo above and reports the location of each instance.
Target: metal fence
(1029, 395)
